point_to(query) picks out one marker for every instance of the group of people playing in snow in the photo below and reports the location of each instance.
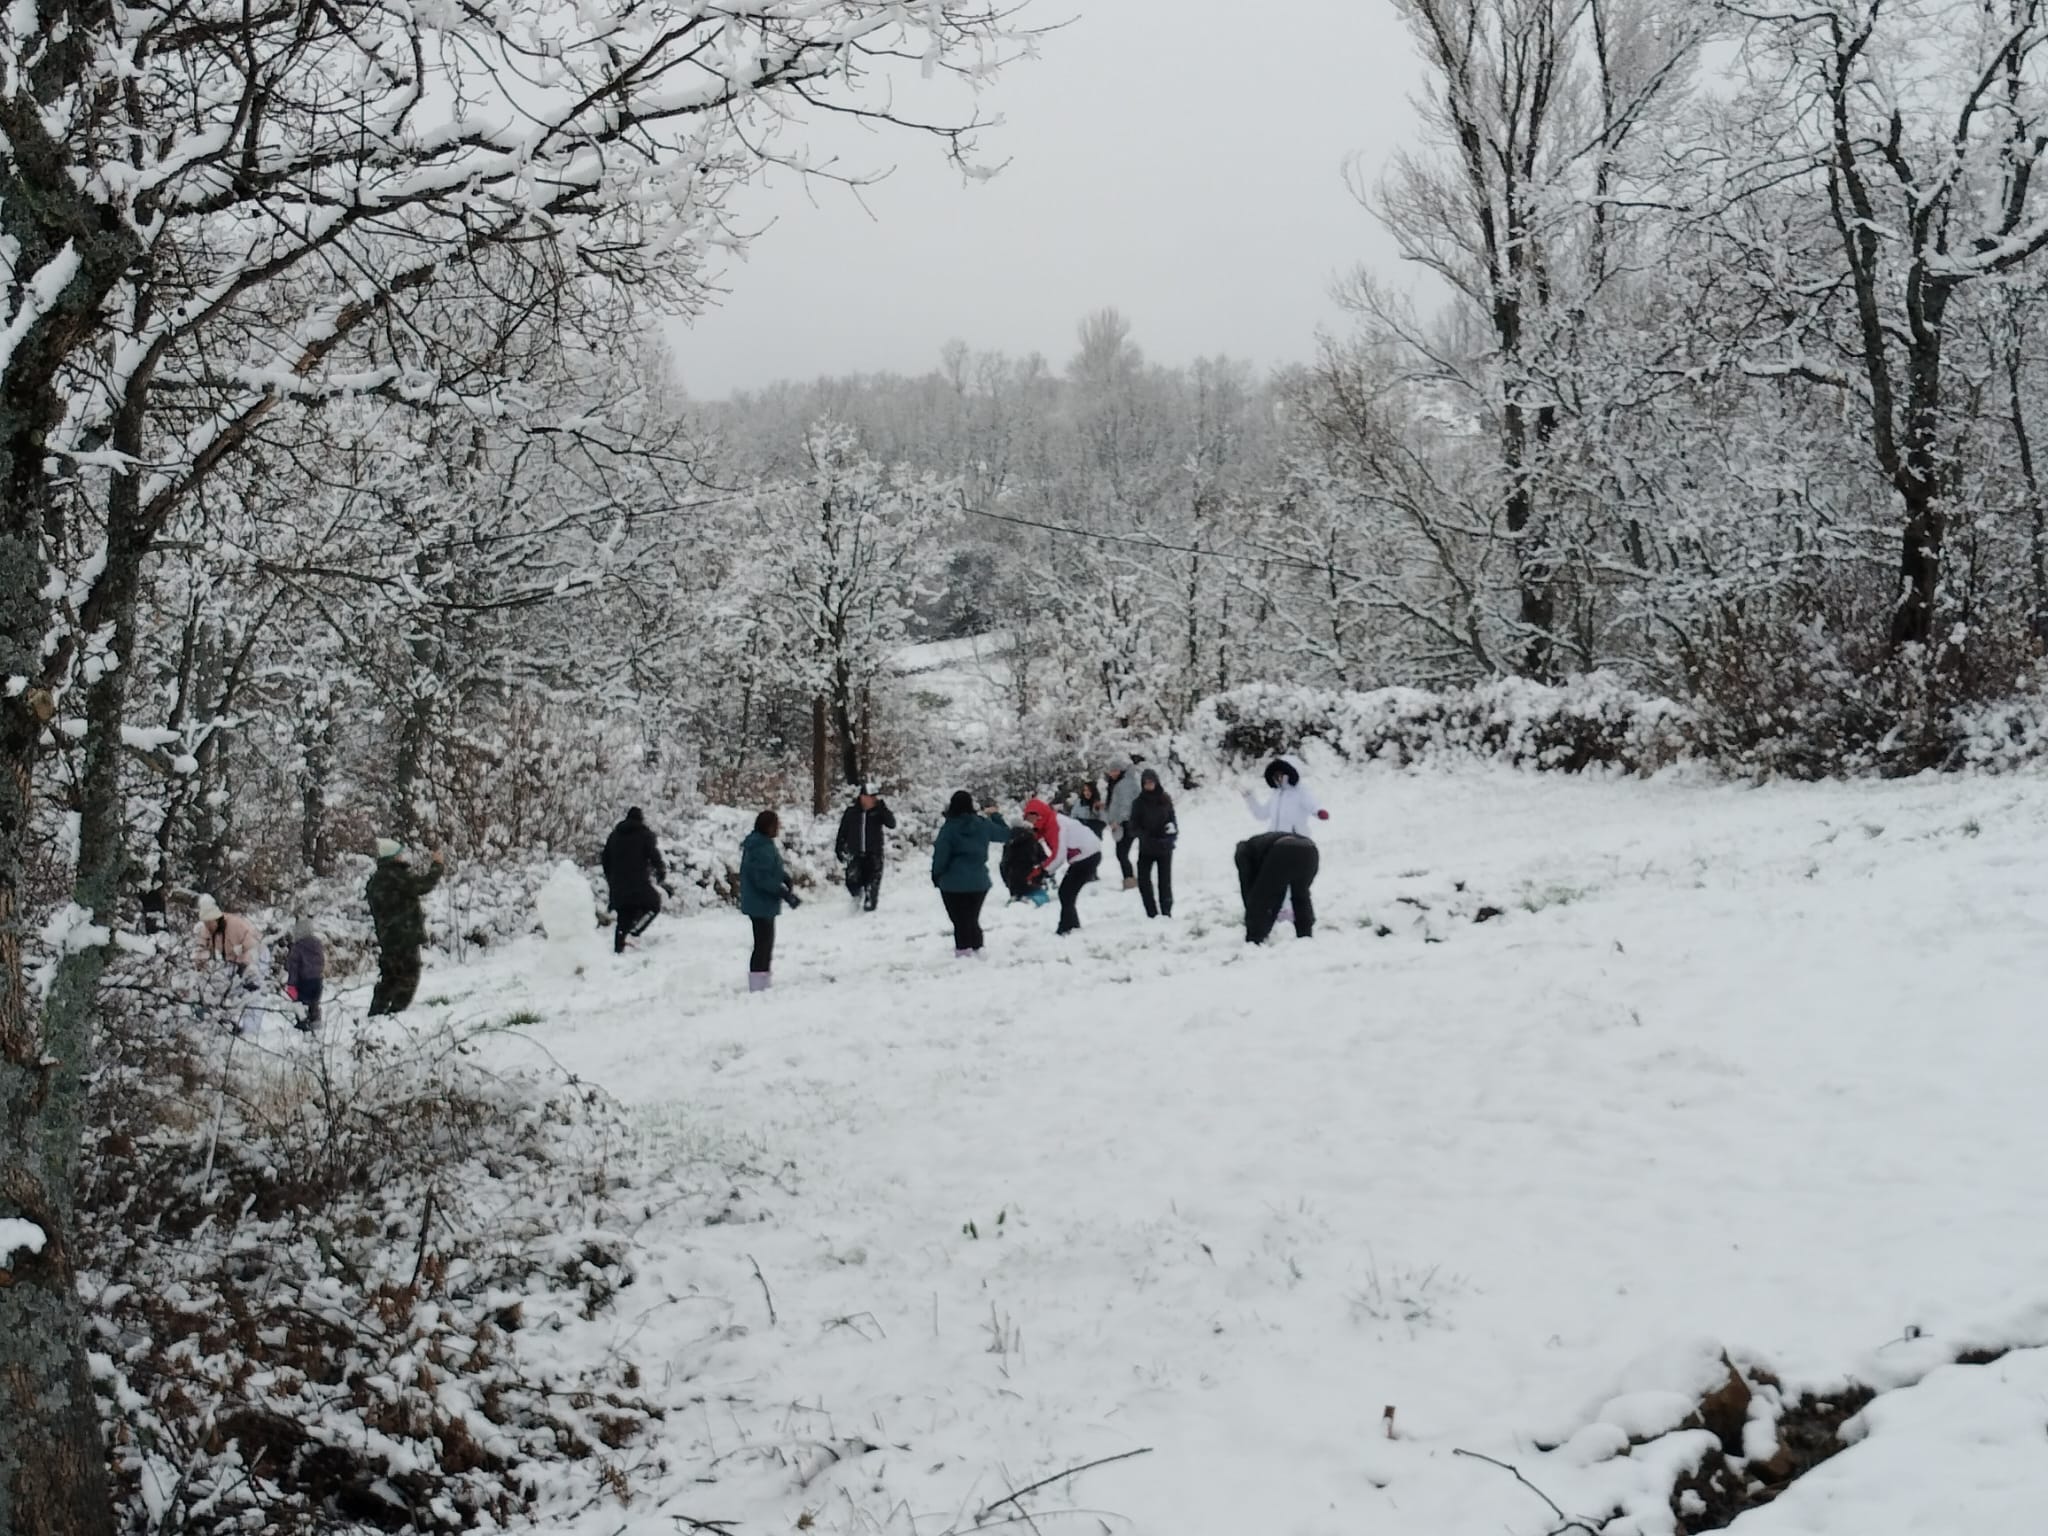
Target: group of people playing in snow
(228, 943)
(1051, 854)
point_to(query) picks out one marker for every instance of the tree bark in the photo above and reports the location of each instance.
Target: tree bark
(53, 1471)
(821, 758)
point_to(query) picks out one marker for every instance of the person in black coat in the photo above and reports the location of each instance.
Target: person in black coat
(632, 868)
(862, 844)
(1152, 822)
(1274, 868)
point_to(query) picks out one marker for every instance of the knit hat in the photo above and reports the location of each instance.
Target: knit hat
(390, 848)
(872, 791)
(962, 804)
(303, 928)
(209, 910)
(633, 815)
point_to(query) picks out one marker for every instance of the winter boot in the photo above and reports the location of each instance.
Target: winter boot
(1130, 882)
(963, 954)
(757, 981)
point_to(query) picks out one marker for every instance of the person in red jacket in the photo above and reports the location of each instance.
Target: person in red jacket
(1072, 853)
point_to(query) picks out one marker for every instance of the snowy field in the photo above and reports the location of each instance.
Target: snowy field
(1754, 1070)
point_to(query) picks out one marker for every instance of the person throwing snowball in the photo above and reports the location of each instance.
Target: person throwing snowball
(1292, 807)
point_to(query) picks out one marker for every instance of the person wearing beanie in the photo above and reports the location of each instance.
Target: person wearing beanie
(227, 937)
(960, 868)
(1152, 820)
(633, 867)
(393, 894)
(305, 972)
(1275, 868)
(765, 890)
(1071, 851)
(229, 940)
(863, 838)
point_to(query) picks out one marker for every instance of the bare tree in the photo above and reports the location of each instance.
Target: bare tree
(1537, 104)
(190, 202)
(1930, 185)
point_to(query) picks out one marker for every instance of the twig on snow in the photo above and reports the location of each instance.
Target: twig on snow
(1057, 1477)
(419, 1259)
(1571, 1522)
(765, 1292)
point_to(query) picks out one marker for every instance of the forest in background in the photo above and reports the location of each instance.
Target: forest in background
(1732, 396)
(346, 497)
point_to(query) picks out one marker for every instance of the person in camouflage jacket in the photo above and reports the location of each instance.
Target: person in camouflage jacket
(393, 894)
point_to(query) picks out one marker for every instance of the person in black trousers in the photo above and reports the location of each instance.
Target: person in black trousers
(863, 834)
(1273, 868)
(1152, 822)
(632, 868)
(960, 868)
(764, 891)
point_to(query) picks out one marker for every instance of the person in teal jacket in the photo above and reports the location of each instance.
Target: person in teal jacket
(764, 891)
(960, 867)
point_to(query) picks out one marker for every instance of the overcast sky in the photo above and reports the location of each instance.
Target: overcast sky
(1182, 160)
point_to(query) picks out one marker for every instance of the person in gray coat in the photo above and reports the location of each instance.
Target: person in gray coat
(1123, 797)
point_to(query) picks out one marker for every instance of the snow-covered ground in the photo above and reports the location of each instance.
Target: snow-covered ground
(1747, 1069)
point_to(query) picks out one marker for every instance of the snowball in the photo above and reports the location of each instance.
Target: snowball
(566, 908)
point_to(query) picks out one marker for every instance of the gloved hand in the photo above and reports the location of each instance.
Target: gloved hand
(790, 896)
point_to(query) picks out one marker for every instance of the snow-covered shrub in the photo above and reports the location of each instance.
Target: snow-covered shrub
(324, 1282)
(2000, 738)
(1594, 721)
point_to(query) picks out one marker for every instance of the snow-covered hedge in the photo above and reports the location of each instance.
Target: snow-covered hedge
(2001, 738)
(1594, 721)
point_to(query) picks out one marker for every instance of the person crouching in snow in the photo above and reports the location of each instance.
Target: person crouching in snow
(1273, 868)
(1068, 847)
(764, 891)
(960, 868)
(227, 939)
(305, 972)
(863, 835)
(1292, 807)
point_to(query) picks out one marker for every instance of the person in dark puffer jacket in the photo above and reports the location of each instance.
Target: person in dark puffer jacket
(960, 868)
(1152, 820)
(632, 868)
(863, 845)
(764, 891)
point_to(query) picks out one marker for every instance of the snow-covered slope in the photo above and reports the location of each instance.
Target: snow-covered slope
(1746, 1069)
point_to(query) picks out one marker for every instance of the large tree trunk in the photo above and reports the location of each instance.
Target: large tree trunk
(821, 758)
(1920, 552)
(1538, 606)
(53, 1473)
(847, 725)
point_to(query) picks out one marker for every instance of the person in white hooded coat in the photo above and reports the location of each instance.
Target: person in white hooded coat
(1292, 807)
